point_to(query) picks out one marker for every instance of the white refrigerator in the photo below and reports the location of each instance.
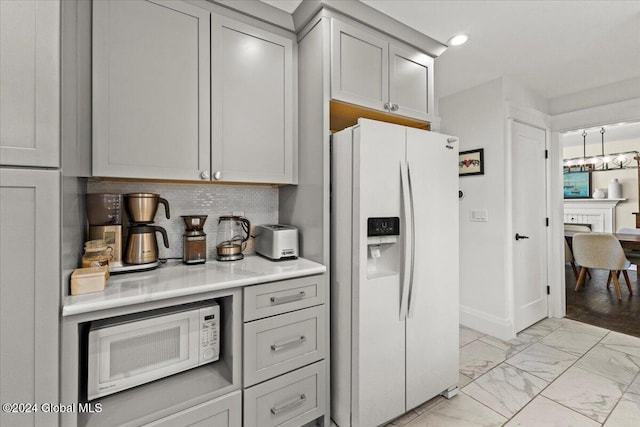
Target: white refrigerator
(394, 271)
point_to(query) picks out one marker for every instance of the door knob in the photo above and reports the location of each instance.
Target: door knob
(204, 175)
(387, 106)
(217, 175)
(394, 107)
(518, 237)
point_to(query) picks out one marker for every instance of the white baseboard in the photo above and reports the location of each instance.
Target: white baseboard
(500, 328)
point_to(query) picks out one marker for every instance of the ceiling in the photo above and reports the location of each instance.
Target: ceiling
(554, 47)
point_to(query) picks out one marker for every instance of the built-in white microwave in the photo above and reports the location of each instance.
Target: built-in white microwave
(134, 350)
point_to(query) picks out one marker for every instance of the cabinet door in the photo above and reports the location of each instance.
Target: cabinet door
(151, 101)
(410, 82)
(225, 411)
(29, 292)
(30, 83)
(253, 108)
(359, 67)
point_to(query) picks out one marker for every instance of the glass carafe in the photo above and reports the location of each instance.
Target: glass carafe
(231, 237)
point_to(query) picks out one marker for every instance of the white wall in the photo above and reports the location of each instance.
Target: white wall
(627, 177)
(476, 117)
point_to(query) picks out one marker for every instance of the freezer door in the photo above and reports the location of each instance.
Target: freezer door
(432, 322)
(378, 360)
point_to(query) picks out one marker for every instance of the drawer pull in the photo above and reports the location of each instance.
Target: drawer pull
(289, 298)
(288, 406)
(278, 347)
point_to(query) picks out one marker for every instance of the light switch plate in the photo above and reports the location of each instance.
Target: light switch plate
(478, 215)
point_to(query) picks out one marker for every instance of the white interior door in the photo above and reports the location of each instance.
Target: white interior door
(529, 225)
(432, 322)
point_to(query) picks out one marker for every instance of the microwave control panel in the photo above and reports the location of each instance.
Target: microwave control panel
(209, 334)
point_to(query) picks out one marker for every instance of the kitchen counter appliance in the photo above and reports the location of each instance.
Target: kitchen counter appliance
(127, 352)
(104, 214)
(276, 241)
(232, 235)
(142, 246)
(194, 239)
(394, 271)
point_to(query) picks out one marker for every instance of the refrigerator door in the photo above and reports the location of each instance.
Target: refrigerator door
(378, 345)
(432, 322)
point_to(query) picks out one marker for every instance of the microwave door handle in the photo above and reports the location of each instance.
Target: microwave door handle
(406, 206)
(412, 285)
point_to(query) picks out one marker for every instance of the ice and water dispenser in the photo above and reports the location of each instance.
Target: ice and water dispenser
(383, 254)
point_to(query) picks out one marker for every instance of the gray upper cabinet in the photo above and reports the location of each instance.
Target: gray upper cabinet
(252, 104)
(182, 93)
(359, 66)
(30, 83)
(410, 82)
(370, 70)
(151, 90)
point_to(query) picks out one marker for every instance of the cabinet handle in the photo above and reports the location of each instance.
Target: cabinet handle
(278, 347)
(394, 107)
(386, 106)
(204, 175)
(217, 175)
(288, 298)
(289, 405)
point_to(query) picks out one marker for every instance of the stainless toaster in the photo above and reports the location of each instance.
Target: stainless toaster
(276, 241)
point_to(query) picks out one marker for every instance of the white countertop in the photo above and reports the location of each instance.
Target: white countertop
(175, 279)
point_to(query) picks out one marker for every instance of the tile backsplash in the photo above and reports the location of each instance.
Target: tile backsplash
(258, 203)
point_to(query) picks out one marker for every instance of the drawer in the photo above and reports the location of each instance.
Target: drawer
(289, 400)
(274, 298)
(280, 344)
(224, 411)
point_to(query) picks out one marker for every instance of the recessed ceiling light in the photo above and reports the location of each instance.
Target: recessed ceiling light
(458, 39)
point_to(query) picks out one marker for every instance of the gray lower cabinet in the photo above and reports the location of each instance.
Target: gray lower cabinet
(284, 336)
(151, 105)
(292, 400)
(29, 294)
(30, 83)
(371, 70)
(225, 411)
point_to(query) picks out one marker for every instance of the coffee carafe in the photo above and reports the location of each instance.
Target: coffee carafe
(142, 246)
(231, 238)
(194, 239)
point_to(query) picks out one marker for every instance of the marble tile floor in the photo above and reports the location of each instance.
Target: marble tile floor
(558, 372)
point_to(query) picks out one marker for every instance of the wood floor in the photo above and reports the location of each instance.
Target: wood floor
(596, 305)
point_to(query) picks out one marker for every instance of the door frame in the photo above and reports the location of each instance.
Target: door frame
(615, 112)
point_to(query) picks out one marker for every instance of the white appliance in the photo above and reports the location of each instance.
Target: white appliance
(134, 351)
(394, 271)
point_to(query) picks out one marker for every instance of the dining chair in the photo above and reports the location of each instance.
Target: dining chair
(600, 251)
(568, 257)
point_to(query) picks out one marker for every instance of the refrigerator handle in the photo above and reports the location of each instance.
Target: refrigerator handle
(412, 288)
(408, 238)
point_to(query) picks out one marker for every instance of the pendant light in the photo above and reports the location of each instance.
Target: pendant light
(601, 161)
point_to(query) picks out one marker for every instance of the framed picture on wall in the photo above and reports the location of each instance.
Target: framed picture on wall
(577, 185)
(471, 162)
